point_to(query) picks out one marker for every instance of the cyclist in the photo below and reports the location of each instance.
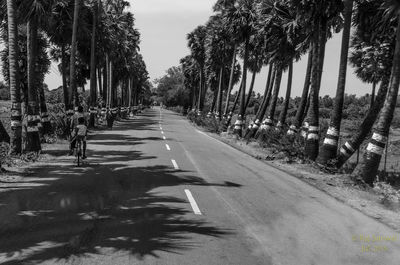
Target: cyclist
(74, 123)
(80, 133)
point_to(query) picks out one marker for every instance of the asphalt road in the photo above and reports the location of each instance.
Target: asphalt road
(155, 190)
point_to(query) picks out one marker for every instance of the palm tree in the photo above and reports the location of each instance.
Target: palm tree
(73, 92)
(325, 15)
(282, 116)
(371, 56)
(93, 82)
(16, 115)
(371, 159)
(59, 30)
(330, 145)
(196, 41)
(240, 20)
(263, 108)
(298, 121)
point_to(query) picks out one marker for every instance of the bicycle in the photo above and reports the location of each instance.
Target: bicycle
(78, 151)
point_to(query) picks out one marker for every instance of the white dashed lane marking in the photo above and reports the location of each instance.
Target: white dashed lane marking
(193, 203)
(174, 164)
(167, 146)
(164, 138)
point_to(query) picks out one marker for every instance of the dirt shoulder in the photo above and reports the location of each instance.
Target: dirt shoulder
(381, 202)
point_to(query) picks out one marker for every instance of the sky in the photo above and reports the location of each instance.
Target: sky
(164, 24)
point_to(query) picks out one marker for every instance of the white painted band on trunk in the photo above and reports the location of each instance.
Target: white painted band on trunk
(32, 129)
(16, 123)
(347, 144)
(292, 127)
(306, 124)
(379, 138)
(255, 126)
(304, 134)
(329, 141)
(345, 152)
(268, 121)
(257, 121)
(238, 122)
(16, 105)
(333, 131)
(313, 128)
(313, 136)
(15, 112)
(375, 149)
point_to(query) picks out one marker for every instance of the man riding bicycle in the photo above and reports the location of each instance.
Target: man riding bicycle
(80, 134)
(78, 119)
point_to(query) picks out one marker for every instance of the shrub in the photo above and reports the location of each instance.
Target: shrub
(210, 124)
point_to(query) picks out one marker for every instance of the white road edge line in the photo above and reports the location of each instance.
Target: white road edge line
(167, 146)
(193, 203)
(175, 164)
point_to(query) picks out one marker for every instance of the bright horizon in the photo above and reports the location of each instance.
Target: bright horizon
(164, 25)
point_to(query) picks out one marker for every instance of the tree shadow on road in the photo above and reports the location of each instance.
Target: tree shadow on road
(100, 209)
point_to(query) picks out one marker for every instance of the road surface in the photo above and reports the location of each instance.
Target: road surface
(156, 190)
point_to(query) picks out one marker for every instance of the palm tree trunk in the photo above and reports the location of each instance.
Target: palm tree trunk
(373, 93)
(93, 82)
(348, 149)
(219, 99)
(105, 80)
(263, 108)
(253, 78)
(64, 78)
(45, 120)
(312, 141)
(199, 103)
(298, 121)
(329, 148)
(372, 156)
(33, 139)
(15, 92)
(229, 118)
(267, 122)
(271, 113)
(241, 117)
(110, 85)
(214, 102)
(230, 86)
(282, 117)
(73, 91)
(100, 84)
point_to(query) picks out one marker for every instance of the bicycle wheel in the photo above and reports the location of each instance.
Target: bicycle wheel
(78, 152)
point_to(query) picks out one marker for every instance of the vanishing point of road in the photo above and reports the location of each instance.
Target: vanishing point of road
(155, 190)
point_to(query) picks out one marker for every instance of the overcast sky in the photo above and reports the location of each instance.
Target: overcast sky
(164, 24)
